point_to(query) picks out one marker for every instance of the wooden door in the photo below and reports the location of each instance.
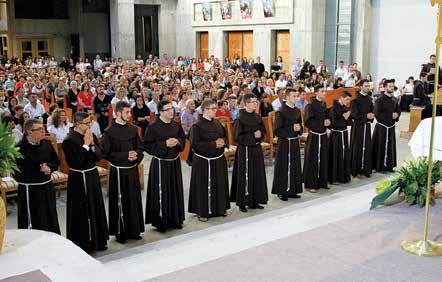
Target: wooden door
(33, 47)
(241, 44)
(204, 45)
(283, 47)
(247, 44)
(235, 44)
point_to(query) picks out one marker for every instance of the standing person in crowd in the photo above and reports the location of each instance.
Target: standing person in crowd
(141, 114)
(36, 194)
(209, 186)
(387, 112)
(249, 185)
(72, 101)
(259, 67)
(123, 148)
(164, 140)
(339, 157)
(407, 94)
(101, 107)
(341, 71)
(316, 148)
(420, 95)
(188, 118)
(86, 221)
(287, 177)
(360, 142)
(296, 68)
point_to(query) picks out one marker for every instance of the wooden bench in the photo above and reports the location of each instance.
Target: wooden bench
(415, 119)
(229, 152)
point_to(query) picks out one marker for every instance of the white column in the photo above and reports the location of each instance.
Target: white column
(262, 46)
(307, 39)
(362, 35)
(216, 43)
(122, 18)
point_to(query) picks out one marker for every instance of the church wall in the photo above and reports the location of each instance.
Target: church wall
(403, 34)
(304, 19)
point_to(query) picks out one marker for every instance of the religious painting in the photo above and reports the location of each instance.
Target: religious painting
(246, 9)
(226, 10)
(268, 8)
(207, 12)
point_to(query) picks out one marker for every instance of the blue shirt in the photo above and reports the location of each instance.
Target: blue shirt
(300, 104)
(234, 112)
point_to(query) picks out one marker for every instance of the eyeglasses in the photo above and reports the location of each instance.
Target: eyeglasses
(212, 108)
(41, 129)
(168, 109)
(86, 123)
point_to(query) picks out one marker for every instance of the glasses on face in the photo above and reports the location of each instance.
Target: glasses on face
(211, 108)
(86, 122)
(168, 109)
(40, 129)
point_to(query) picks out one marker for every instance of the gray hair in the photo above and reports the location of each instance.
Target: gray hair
(79, 117)
(29, 124)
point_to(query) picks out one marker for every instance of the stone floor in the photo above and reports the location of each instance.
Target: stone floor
(192, 224)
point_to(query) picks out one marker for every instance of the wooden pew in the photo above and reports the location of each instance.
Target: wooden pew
(333, 95)
(229, 152)
(267, 144)
(415, 119)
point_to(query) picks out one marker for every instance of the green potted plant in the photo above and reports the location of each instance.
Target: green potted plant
(8, 155)
(411, 181)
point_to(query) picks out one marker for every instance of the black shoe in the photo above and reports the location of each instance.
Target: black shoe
(179, 226)
(283, 198)
(136, 238)
(243, 208)
(189, 162)
(121, 239)
(259, 207)
(368, 175)
(104, 248)
(295, 196)
(161, 229)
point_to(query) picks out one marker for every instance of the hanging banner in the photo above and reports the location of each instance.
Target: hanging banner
(246, 9)
(268, 8)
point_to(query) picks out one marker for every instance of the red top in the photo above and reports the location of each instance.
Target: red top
(221, 113)
(87, 98)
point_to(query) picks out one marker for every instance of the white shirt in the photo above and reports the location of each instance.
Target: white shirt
(16, 133)
(60, 132)
(420, 141)
(115, 100)
(350, 82)
(280, 84)
(95, 128)
(341, 72)
(153, 107)
(36, 112)
(276, 104)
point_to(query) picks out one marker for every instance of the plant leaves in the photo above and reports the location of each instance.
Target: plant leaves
(380, 199)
